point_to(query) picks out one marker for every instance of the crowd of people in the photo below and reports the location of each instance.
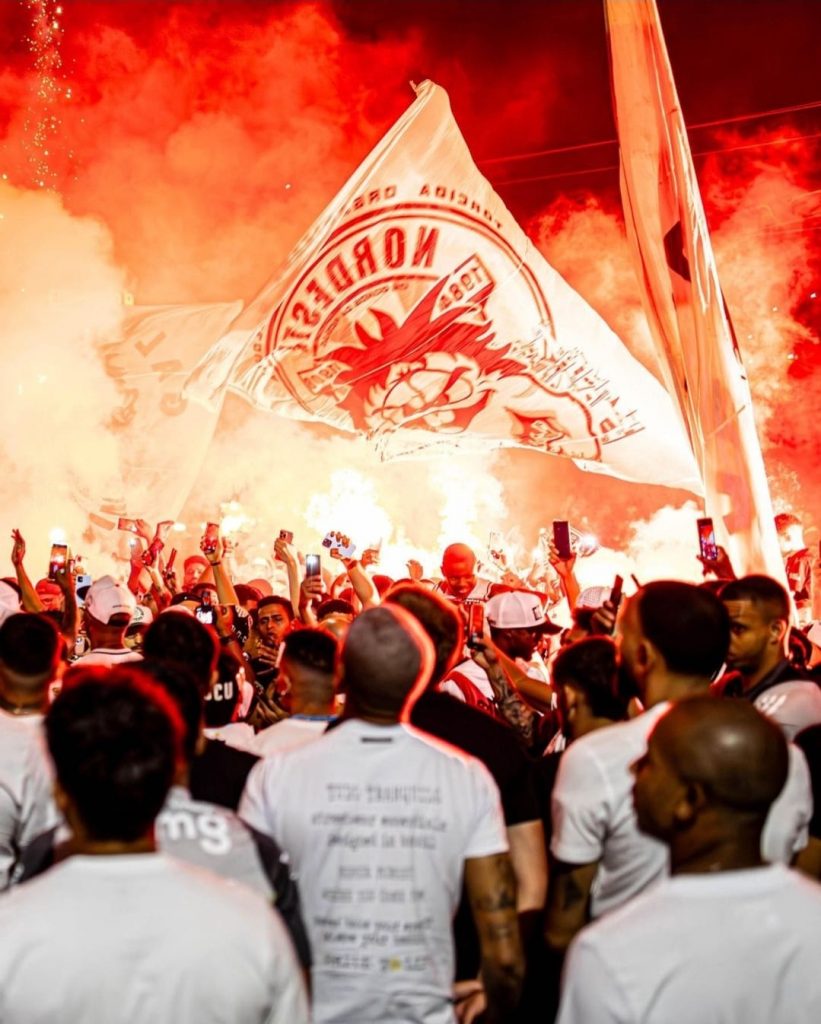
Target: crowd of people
(354, 798)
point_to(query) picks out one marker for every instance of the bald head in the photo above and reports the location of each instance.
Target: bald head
(712, 770)
(738, 755)
(459, 570)
(386, 659)
(458, 553)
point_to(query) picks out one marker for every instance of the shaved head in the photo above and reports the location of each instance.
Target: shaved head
(713, 768)
(459, 570)
(731, 748)
(386, 660)
(457, 553)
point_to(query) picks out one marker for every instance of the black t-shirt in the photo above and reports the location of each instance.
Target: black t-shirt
(496, 745)
(218, 774)
(810, 742)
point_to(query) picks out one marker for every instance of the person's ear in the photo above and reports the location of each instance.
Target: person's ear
(778, 630)
(645, 656)
(690, 804)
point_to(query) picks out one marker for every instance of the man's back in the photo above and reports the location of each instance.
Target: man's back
(214, 838)
(593, 816)
(26, 806)
(594, 819)
(140, 939)
(734, 946)
(378, 822)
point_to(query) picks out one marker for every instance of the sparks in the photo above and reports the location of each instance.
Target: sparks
(43, 122)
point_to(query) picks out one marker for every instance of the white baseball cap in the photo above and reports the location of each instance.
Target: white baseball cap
(108, 597)
(593, 597)
(519, 609)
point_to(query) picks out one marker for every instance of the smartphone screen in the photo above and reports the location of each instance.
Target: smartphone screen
(205, 613)
(211, 538)
(58, 560)
(312, 565)
(561, 538)
(707, 540)
(127, 524)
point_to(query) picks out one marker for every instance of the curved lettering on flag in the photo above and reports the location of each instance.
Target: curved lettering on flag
(424, 317)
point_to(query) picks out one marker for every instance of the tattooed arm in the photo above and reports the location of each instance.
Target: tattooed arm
(508, 699)
(491, 888)
(568, 900)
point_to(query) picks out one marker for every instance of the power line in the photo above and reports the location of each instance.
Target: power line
(775, 112)
(702, 152)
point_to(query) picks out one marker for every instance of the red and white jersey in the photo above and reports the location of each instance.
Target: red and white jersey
(482, 590)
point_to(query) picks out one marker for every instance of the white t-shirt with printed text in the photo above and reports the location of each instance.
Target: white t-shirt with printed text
(378, 822)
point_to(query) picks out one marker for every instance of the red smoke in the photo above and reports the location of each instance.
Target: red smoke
(207, 136)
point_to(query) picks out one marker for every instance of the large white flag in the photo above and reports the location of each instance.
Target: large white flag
(677, 270)
(417, 312)
(162, 438)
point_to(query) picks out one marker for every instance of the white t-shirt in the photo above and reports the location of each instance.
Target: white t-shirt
(109, 656)
(140, 939)
(26, 805)
(594, 818)
(378, 822)
(212, 837)
(288, 734)
(239, 735)
(735, 947)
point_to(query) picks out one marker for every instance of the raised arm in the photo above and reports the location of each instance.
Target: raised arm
(65, 581)
(28, 595)
(222, 581)
(565, 568)
(285, 553)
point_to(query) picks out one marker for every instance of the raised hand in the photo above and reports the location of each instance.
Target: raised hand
(284, 552)
(18, 552)
(563, 566)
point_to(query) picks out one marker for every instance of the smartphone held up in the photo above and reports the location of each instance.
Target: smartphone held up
(476, 624)
(561, 539)
(708, 547)
(210, 539)
(58, 560)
